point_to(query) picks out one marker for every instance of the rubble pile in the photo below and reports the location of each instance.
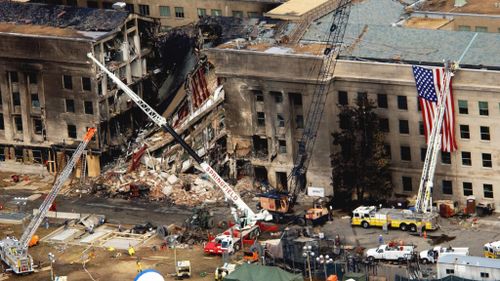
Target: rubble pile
(187, 189)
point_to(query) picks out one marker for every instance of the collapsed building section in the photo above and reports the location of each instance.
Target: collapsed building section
(51, 93)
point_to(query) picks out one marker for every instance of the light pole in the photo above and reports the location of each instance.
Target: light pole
(52, 259)
(324, 260)
(308, 253)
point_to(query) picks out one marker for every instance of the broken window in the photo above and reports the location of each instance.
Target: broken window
(72, 131)
(259, 146)
(261, 119)
(35, 102)
(281, 181)
(37, 126)
(362, 96)
(86, 84)
(13, 77)
(70, 105)
(405, 153)
(202, 12)
(296, 98)
(445, 157)
(237, 14)
(343, 98)
(281, 120)
(278, 97)
(164, 11)
(67, 82)
(32, 79)
(16, 99)
(179, 12)
(2, 127)
(144, 9)
(89, 107)
(259, 96)
(282, 146)
(216, 12)
(19, 123)
(382, 100)
(299, 121)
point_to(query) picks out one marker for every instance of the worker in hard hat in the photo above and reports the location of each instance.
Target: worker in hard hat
(131, 251)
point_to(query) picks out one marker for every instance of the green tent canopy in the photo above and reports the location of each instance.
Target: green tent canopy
(256, 272)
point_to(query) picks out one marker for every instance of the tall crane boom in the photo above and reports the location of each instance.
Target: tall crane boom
(317, 106)
(15, 252)
(250, 215)
(424, 196)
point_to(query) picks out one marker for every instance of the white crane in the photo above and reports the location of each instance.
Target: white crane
(250, 216)
(15, 252)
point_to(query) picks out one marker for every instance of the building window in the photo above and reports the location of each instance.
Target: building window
(488, 190)
(343, 98)
(130, 8)
(464, 132)
(467, 188)
(179, 12)
(164, 11)
(253, 14)
(259, 96)
(384, 125)
(86, 84)
(485, 133)
(404, 127)
(447, 187)
(32, 79)
(423, 153)
(72, 131)
(405, 153)
(282, 146)
(237, 14)
(278, 96)
(37, 126)
(281, 120)
(450, 271)
(362, 96)
(216, 12)
(261, 119)
(144, 9)
(202, 12)
(445, 158)
(35, 102)
(382, 100)
(402, 103)
(67, 82)
(487, 160)
(407, 183)
(466, 158)
(296, 98)
(13, 77)
(19, 123)
(299, 121)
(89, 107)
(2, 127)
(16, 98)
(483, 108)
(421, 128)
(464, 28)
(481, 29)
(463, 107)
(70, 105)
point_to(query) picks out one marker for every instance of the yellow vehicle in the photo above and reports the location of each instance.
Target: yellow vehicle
(492, 250)
(405, 220)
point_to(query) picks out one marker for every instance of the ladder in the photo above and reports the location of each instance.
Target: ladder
(63, 176)
(83, 168)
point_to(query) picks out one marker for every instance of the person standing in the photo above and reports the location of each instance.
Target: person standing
(380, 239)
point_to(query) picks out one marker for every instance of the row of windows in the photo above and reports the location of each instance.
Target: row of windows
(280, 120)
(18, 124)
(405, 153)
(402, 103)
(447, 187)
(88, 106)
(476, 28)
(165, 11)
(67, 82)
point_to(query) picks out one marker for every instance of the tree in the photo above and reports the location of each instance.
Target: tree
(361, 164)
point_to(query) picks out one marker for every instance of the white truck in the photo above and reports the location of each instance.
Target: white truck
(432, 255)
(391, 253)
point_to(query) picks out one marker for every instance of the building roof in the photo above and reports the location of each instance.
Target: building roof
(471, 6)
(295, 8)
(58, 21)
(470, 261)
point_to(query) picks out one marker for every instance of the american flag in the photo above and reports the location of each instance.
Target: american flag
(429, 92)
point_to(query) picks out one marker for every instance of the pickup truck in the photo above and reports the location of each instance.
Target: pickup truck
(391, 253)
(432, 255)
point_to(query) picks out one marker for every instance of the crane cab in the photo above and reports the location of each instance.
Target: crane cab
(275, 202)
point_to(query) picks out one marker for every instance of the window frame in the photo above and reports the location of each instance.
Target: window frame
(407, 181)
(144, 9)
(485, 192)
(261, 119)
(467, 189)
(490, 160)
(404, 127)
(165, 11)
(68, 131)
(405, 150)
(343, 98)
(483, 111)
(86, 81)
(179, 12)
(485, 136)
(67, 107)
(85, 107)
(445, 158)
(402, 102)
(464, 160)
(67, 81)
(444, 187)
(384, 125)
(382, 101)
(281, 146)
(464, 132)
(461, 109)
